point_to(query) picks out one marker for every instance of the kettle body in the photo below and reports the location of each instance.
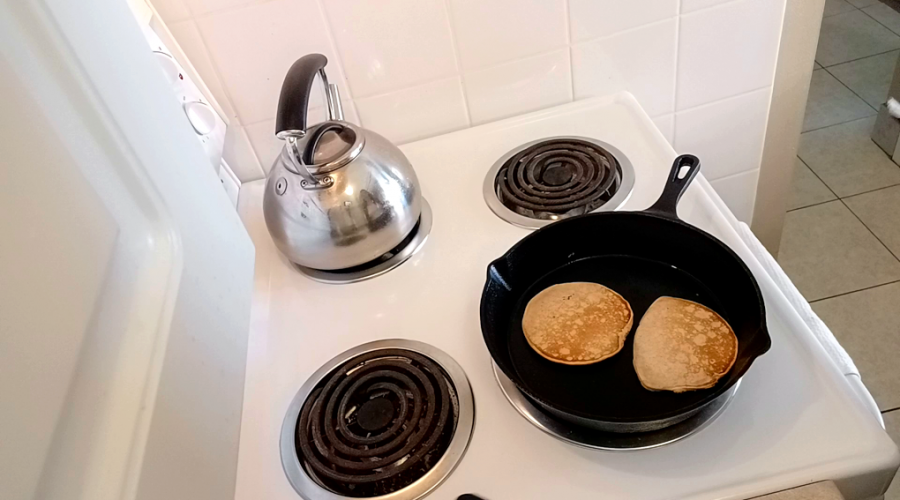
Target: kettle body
(338, 196)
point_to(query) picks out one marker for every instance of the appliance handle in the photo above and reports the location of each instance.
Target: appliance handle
(293, 103)
(677, 183)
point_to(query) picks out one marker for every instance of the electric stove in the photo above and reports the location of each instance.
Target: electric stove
(794, 420)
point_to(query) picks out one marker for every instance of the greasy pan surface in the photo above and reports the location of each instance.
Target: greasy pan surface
(642, 256)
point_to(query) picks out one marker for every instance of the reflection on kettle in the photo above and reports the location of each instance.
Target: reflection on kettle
(367, 212)
(338, 196)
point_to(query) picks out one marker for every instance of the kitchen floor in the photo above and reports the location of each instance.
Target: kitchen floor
(841, 240)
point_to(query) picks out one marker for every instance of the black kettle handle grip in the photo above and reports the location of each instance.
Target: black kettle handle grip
(293, 102)
(676, 184)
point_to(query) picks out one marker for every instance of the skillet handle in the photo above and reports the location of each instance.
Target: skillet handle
(684, 169)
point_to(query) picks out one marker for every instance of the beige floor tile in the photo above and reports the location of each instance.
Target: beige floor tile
(835, 7)
(885, 15)
(806, 188)
(870, 77)
(892, 425)
(827, 251)
(847, 160)
(859, 4)
(852, 35)
(830, 103)
(880, 212)
(867, 324)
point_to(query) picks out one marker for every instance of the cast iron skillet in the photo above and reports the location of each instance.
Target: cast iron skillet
(642, 256)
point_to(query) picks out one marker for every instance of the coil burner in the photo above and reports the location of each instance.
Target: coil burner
(389, 419)
(556, 178)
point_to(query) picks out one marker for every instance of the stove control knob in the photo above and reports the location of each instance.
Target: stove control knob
(169, 66)
(201, 116)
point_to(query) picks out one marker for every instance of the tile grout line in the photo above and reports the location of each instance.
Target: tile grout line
(625, 31)
(332, 43)
(890, 410)
(812, 205)
(870, 230)
(842, 13)
(710, 7)
(876, 20)
(458, 60)
(867, 192)
(845, 204)
(458, 75)
(854, 291)
(722, 99)
(678, 9)
(836, 197)
(858, 58)
(836, 124)
(850, 209)
(851, 90)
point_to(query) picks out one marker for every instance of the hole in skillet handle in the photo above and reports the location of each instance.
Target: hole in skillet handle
(683, 171)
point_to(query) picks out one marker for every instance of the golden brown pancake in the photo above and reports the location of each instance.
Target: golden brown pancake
(577, 323)
(682, 346)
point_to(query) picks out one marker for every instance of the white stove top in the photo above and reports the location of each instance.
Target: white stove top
(794, 419)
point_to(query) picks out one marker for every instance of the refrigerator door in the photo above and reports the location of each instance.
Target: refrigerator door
(125, 273)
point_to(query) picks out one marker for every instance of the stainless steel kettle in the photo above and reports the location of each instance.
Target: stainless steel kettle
(338, 196)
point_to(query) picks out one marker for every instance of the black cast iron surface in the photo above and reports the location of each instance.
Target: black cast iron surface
(642, 256)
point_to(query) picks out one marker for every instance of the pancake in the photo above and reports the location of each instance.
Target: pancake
(577, 323)
(682, 346)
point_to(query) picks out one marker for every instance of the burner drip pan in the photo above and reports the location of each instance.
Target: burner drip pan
(590, 438)
(386, 420)
(552, 179)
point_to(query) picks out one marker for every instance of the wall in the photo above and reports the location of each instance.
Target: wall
(410, 69)
(800, 36)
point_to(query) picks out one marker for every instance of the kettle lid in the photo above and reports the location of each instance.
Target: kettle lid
(320, 148)
(329, 142)
(328, 147)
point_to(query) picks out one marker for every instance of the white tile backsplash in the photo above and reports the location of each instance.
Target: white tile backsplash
(592, 19)
(239, 154)
(194, 48)
(416, 112)
(388, 45)
(726, 135)
(348, 106)
(490, 32)
(739, 193)
(267, 146)
(692, 5)
(519, 86)
(727, 50)
(641, 61)
(418, 68)
(666, 125)
(254, 46)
